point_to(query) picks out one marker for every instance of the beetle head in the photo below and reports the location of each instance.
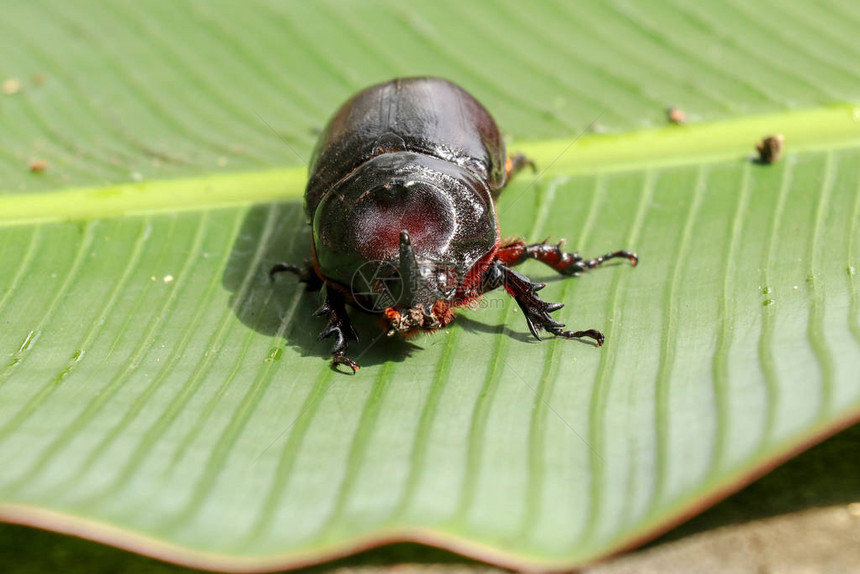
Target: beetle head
(427, 288)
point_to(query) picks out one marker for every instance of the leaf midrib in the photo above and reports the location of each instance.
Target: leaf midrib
(831, 127)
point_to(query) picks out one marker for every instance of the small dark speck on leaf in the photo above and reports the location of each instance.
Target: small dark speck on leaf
(770, 149)
(676, 115)
(38, 165)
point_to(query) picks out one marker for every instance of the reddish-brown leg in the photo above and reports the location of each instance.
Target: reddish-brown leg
(553, 255)
(516, 163)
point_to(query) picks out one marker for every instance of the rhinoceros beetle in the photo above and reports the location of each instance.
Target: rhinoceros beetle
(401, 199)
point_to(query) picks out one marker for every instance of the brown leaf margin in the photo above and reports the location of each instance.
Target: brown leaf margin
(105, 533)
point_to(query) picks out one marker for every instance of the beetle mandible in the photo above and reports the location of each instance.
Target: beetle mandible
(401, 200)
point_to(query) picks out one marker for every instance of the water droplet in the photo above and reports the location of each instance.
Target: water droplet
(768, 302)
(274, 354)
(851, 270)
(766, 291)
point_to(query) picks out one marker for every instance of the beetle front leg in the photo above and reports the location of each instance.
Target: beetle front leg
(554, 256)
(339, 326)
(516, 163)
(307, 274)
(535, 309)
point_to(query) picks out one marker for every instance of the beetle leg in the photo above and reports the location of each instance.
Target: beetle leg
(554, 256)
(516, 163)
(339, 326)
(307, 274)
(535, 309)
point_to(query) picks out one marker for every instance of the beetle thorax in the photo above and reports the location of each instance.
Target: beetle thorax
(445, 210)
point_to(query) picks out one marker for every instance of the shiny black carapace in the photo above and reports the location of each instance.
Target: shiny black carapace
(401, 199)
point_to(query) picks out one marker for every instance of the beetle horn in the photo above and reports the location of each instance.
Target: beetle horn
(409, 272)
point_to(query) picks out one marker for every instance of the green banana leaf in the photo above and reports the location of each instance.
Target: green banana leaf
(158, 393)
